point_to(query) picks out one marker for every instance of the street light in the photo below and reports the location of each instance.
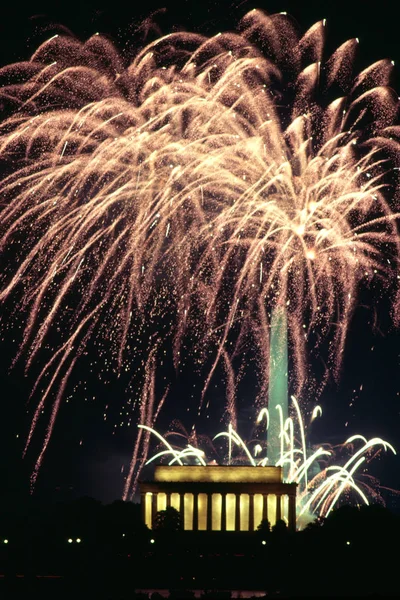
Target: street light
(78, 540)
(70, 540)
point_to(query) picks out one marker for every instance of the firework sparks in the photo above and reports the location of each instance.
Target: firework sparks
(318, 492)
(202, 185)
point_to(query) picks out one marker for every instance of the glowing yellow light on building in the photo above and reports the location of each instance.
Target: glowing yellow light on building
(217, 474)
(216, 503)
(244, 512)
(202, 508)
(271, 502)
(258, 509)
(175, 501)
(230, 511)
(161, 501)
(148, 516)
(188, 511)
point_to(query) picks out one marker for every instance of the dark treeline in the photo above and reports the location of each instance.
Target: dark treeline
(85, 549)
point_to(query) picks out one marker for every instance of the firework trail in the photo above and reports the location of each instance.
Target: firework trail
(191, 192)
(325, 475)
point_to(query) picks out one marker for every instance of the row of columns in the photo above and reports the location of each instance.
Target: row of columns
(195, 524)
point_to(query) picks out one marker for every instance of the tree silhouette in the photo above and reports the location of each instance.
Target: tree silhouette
(315, 525)
(280, 527)
(168, 520)
(264, 528)
(279, 532)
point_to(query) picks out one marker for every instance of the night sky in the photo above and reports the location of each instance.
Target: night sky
(372, 355)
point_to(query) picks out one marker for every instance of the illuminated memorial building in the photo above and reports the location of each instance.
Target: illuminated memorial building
(220, 498)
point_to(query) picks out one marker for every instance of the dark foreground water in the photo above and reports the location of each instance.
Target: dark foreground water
(57, 587)
(60, 588)
(205, 593)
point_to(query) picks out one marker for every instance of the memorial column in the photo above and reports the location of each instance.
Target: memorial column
(153, 509)
(265, 508)
(278, 507)
(209, 512)
(195, 525)
(223, 512)
(251, 512)
(237, 512)
(182, 508)
(292, 512)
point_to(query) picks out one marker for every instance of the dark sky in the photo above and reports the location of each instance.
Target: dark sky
(373, 349)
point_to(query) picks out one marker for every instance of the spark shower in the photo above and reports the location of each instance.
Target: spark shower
(166, 206)
(320, 486)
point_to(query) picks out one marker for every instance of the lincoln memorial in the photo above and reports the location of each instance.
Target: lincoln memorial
(220, 498)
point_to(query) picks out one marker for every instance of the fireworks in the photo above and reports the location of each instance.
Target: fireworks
(322, 484)
(169, 205)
